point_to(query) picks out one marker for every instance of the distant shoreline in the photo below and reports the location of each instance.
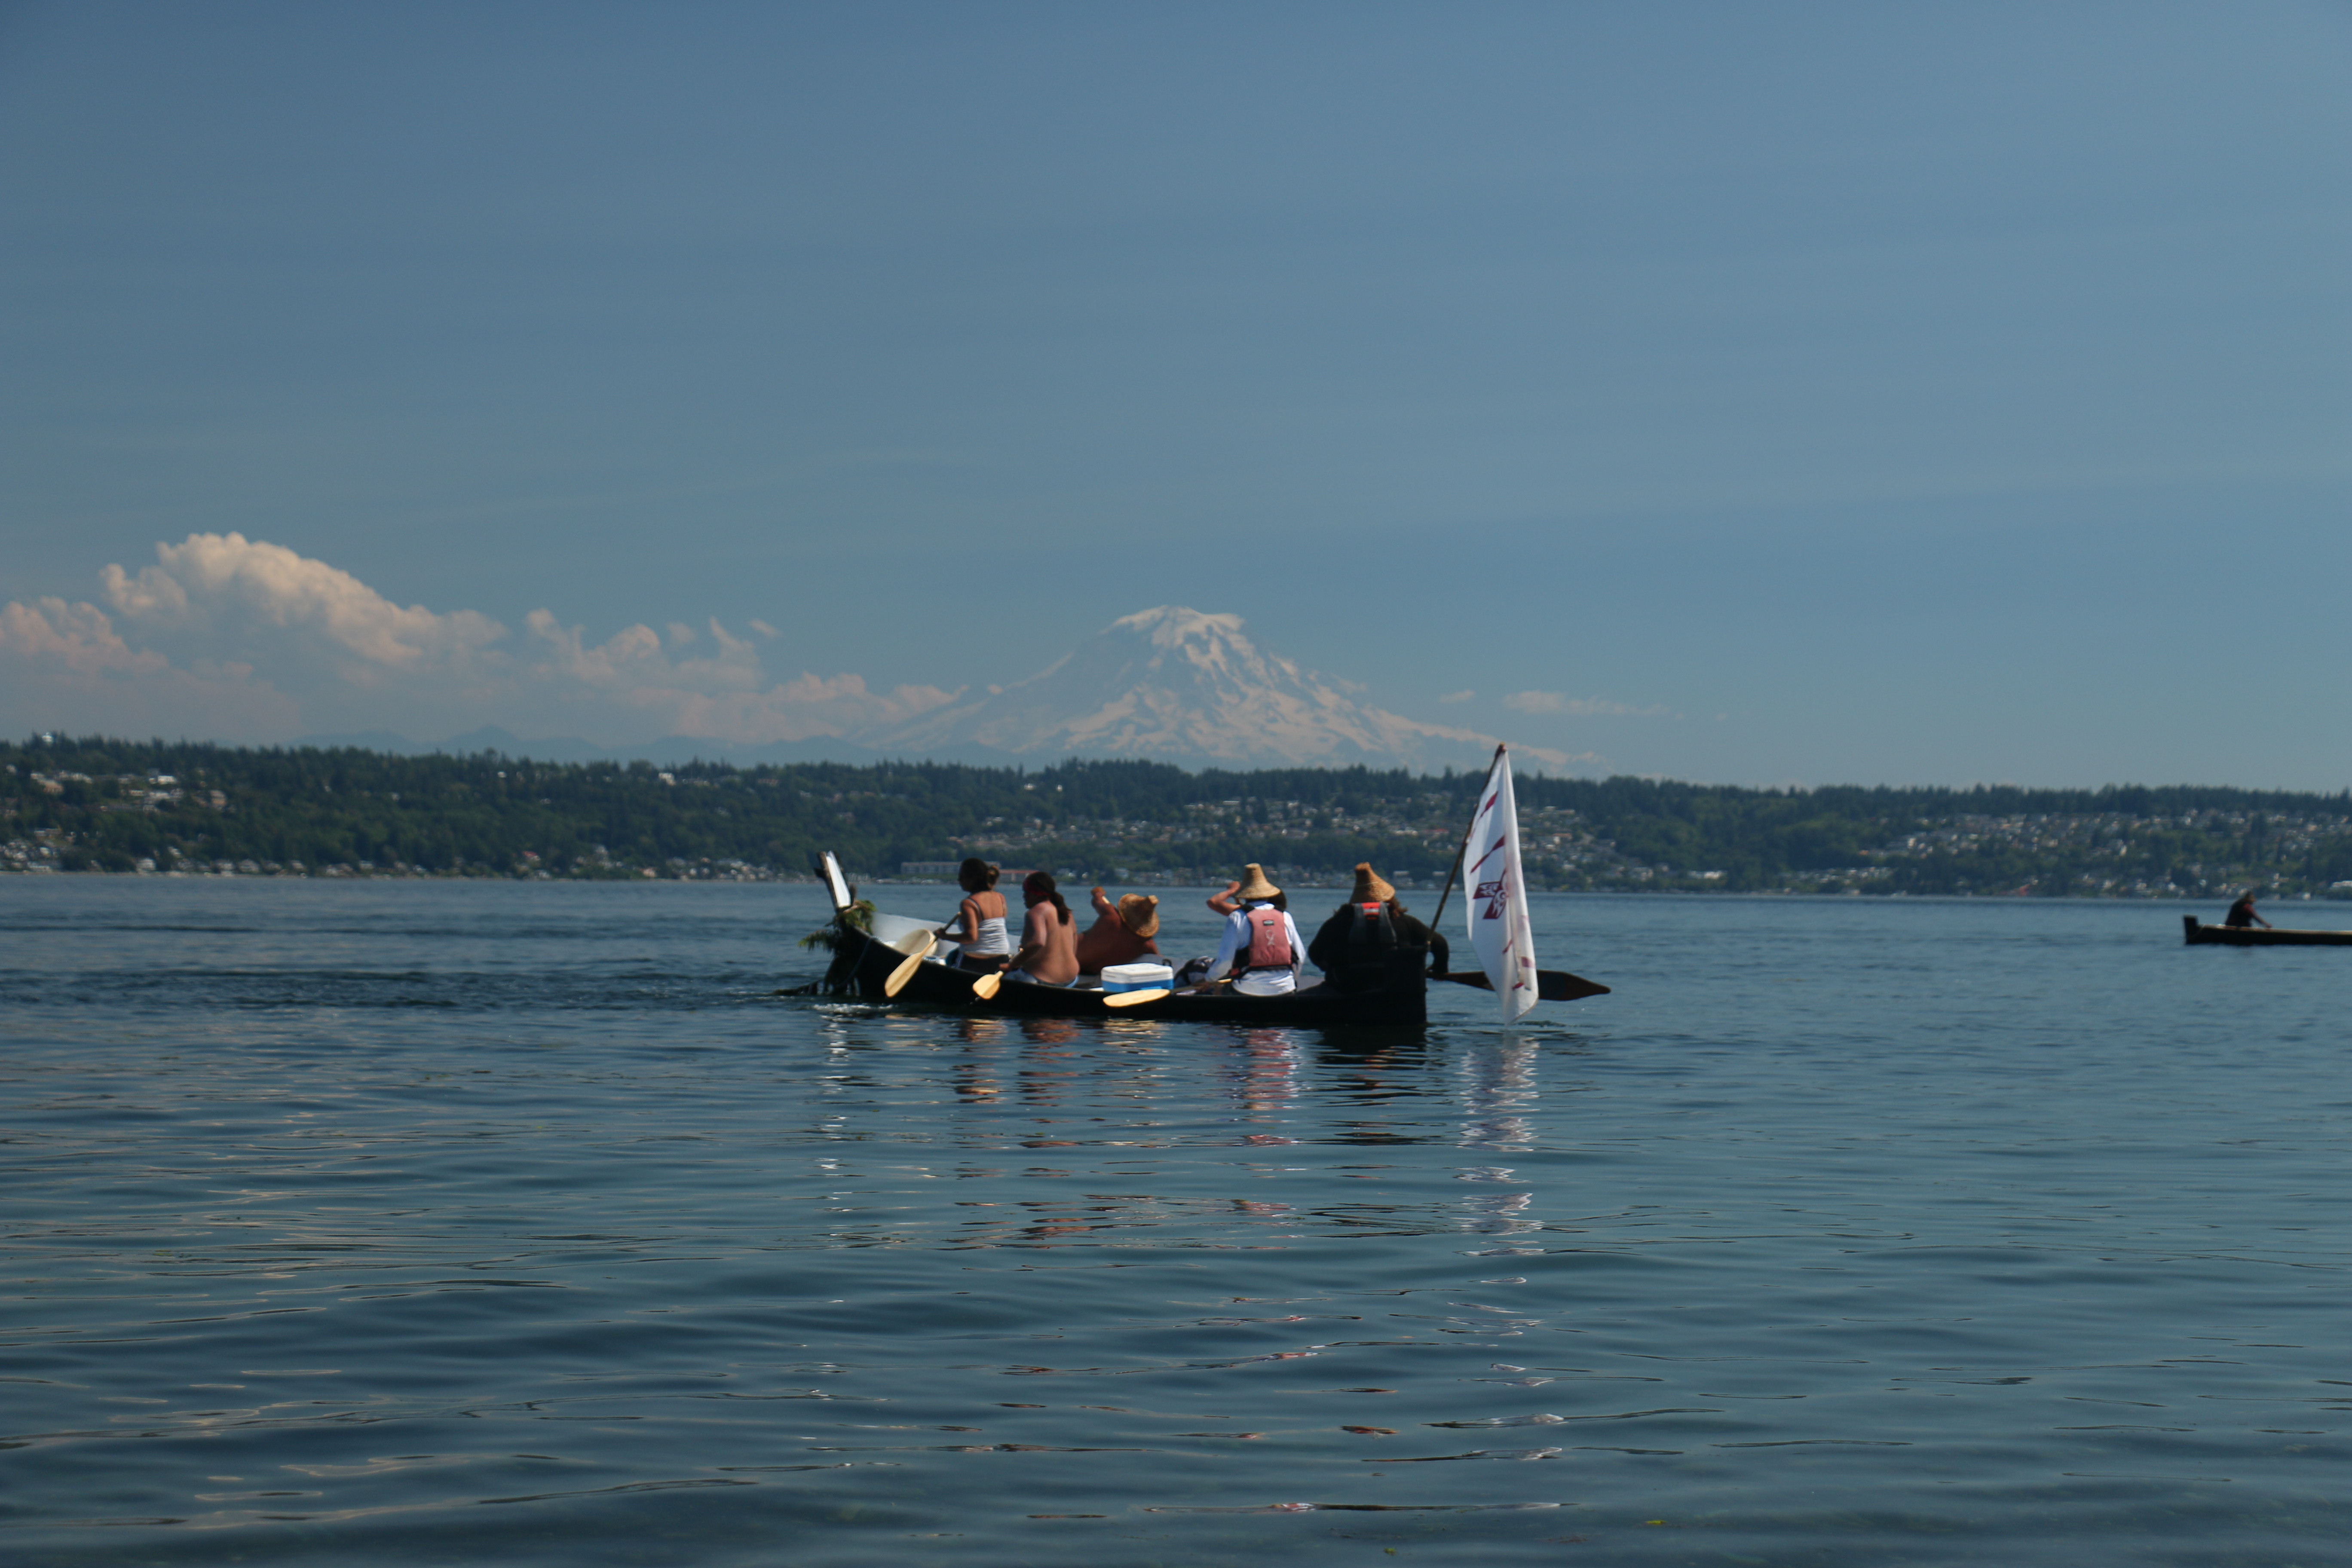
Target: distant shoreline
(71, 805)
(485, 880)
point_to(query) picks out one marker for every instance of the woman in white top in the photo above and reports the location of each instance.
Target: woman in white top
(1261, 951)
(979, 924)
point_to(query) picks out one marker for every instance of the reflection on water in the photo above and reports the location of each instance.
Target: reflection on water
(399, 1224)
(1266, 1068)
(1498, 1088)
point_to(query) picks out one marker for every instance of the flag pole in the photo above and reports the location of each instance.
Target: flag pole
(1464, 846)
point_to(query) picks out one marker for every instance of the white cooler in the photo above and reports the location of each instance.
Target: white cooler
(1138, 977)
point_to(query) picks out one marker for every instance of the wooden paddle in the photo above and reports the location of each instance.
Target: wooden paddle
(1134, 999)
(1551, 984)
(923, 942)
(984, 988)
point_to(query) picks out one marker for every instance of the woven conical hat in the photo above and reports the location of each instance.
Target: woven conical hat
(1139, 913)
(1253, 884)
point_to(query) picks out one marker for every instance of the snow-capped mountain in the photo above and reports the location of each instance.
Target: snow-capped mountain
(1176, 685)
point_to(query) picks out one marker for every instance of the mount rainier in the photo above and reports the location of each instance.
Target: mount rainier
(1176, 685)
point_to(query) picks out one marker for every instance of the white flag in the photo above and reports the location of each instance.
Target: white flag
(1498, 907)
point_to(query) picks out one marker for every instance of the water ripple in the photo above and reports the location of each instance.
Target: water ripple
(404, 1222)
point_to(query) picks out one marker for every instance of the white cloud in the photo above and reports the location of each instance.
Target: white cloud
(216, 583)
(725, 697)
(242, 639)
(1577, 707)
(64, 666)
(77, 637)
(1463, 696)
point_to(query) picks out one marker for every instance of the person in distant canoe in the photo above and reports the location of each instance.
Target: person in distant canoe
(1354, 948)
(2241, 913)
(1121, 933)
(1261, 951)
(1049, 939)
(979, 924)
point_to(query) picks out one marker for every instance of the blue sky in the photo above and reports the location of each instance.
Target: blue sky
(1861, 393)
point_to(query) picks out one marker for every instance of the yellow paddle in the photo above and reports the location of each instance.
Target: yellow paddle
(921, 942)
(1134, 999)
(916, 946)
(985, 986)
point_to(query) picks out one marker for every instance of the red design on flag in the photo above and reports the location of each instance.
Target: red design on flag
(1498, 890)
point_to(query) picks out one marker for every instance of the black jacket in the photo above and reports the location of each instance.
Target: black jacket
(1329, 951)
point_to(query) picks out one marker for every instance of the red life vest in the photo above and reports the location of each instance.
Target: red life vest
(1269, 945)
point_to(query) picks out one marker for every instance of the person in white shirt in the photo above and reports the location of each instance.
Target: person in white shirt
(1261, 950)
(979, 924)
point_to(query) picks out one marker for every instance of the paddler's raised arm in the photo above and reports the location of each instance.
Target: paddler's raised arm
(964, 926)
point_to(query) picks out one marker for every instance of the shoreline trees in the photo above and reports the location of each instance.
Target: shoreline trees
(101, 805)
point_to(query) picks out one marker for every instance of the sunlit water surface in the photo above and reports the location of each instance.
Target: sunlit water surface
(401, 1223)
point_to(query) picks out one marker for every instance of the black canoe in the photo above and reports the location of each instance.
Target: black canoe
(2260, 936)
(1403, 1000)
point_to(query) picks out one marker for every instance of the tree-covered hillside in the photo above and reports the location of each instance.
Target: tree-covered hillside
(111, 805)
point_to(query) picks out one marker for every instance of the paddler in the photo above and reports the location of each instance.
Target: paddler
(1356, 945)
(979, 925)
(1261, 951)
(2241, 913)
(1049, 937)
(1121, 933)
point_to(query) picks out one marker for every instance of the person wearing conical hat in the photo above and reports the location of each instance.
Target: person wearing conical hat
(1261, 951)
(1224, 904)
(1356, 946)
(1121, 933)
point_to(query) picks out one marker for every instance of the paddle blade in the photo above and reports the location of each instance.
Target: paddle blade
(985, 986)
(1134, 998)
(1559, 985)
(907, 966)
(1551, 984)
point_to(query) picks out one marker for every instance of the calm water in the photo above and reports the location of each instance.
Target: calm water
(410, 1223)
